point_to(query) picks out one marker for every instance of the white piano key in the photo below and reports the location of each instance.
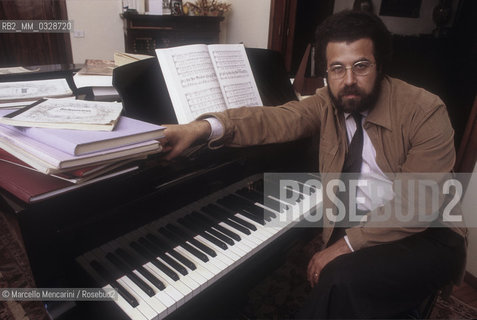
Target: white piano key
(226, 259)
(143, 306)
(193, 279)
(180, 287)
(193, 274)
(186, 279)
(135, 291)
(159, 308)
(170, 289)
(176, 293)
(212, 260)
(208, 270)
(247, 240)
(229, 252)
(262, 232)
(159, 305)
(161, 295)
(131, 312)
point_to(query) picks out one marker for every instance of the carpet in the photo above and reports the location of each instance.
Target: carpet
(453, 308)
(281, 294)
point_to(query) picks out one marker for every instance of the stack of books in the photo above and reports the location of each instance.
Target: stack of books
(22, 93)
(95, 80)
(46, 151)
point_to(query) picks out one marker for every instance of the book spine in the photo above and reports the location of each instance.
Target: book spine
(19, 192)
(45, 137)
(52, 140)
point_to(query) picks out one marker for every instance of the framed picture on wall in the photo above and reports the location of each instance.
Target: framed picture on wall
(176, 7)
(400, 8)
(166, 7)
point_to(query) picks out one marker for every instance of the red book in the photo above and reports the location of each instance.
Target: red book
(26, 184)
(31, 186)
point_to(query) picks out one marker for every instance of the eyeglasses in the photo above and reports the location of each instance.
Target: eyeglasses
(360, 68)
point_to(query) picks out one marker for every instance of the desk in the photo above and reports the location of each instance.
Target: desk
(144, 33)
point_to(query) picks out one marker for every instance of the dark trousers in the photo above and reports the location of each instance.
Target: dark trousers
(388, 280)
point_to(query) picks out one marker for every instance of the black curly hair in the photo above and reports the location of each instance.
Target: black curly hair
(349, 26)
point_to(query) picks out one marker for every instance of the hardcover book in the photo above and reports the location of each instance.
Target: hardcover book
(34, 90)
(31, 186)
(49, 160)
(78, 142)
(79, 175)
(66, 114)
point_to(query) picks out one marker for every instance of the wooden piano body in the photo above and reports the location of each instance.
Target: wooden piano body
(60, 229)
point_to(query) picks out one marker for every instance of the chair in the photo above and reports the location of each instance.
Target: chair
(307, 84)
(465, 162)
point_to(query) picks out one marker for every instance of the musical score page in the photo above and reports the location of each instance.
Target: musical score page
(203, 79)
(235, 75)
(191, 81)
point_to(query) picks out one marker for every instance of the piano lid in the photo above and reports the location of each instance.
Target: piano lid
(144, 93)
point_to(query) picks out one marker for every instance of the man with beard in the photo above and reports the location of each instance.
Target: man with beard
(369, 124)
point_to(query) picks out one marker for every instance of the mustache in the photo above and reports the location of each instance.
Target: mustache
(351, 90)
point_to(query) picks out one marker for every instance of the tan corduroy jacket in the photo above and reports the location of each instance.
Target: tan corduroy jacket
(409, 128)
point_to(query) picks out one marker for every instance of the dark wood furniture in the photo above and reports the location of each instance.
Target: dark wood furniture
(144, 33)
(292, 27)
(39, 48)
(61, 228)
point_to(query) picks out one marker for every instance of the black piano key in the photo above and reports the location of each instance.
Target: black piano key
(257, 198)
(105, 274)
(198, 254)
(230, 204)
(231, 215)
(217, 213)
(161, 254)
(190, 238)
(221, 236)
(128, 273)
(240, 202)
(191, 226)
(152, 258)
(226, 231)
(308, 189)
(133, 263)
(237, 226)
(271, 203)
(290, 198)
(252, 207)
(252, 216)
(207, 227)
(171, 251)
(244, 223)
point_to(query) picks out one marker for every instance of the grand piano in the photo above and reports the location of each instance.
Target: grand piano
(180, 239)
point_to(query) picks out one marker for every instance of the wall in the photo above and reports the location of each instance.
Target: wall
(248, 22)
(469, 206)
(405, 26)
(102, 27)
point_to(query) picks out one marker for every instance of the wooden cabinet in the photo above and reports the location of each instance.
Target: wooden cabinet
(144, 33)
(34, 48)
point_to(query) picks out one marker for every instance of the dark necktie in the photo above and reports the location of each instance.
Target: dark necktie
(354, 157)
(351, 170)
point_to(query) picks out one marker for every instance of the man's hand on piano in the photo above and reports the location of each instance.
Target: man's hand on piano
(323, 257)
(180, 137)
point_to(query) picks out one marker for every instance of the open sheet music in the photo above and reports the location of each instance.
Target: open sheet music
(207, 78)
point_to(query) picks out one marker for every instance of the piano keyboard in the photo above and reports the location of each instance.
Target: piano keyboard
(160, 266)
